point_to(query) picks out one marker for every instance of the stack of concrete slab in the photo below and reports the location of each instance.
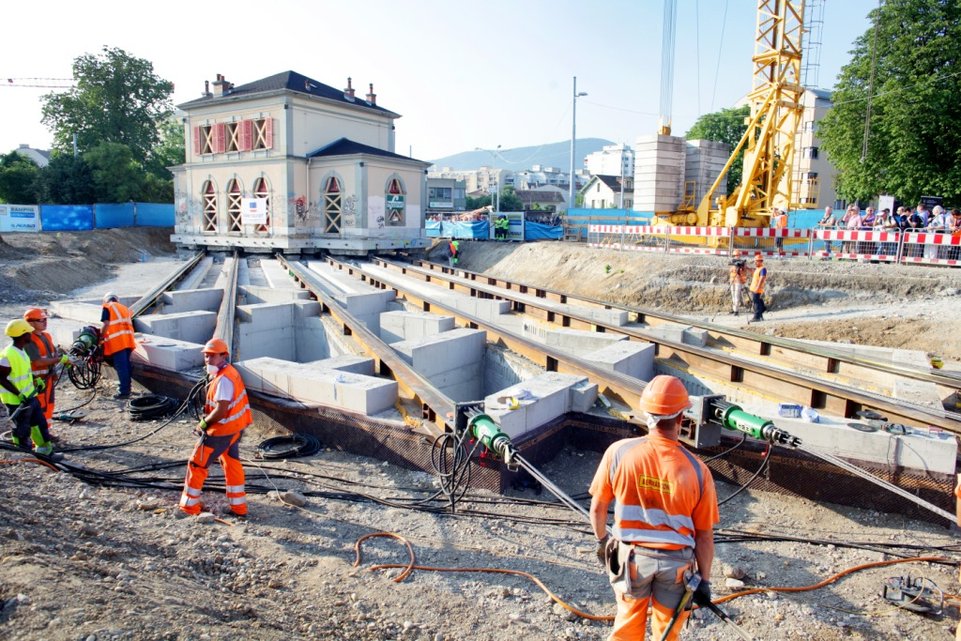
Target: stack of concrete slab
(530, 404)
(704, 161)
(342, 382)
(452, 361)
(658, 173)
(168, 353)
(403, 326)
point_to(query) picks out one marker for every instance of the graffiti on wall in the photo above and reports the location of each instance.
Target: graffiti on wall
(350, 211)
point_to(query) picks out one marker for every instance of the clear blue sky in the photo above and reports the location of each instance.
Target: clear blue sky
(462, 74)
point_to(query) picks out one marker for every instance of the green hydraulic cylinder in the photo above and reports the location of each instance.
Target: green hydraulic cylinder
(490, 435)
(732, 417)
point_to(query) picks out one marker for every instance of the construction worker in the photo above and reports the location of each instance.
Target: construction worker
(779, 222)
(44, 357)
(737, 278)
(758, 279)
(664, 514)
(227, 414)
(116, 334)
(18, 392)
(501, 227)
(454, 247)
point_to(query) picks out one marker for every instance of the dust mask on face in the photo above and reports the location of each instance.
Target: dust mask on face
(213, 370)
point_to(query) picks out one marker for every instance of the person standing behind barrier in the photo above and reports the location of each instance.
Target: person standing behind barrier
(851, 222)
(828, 221)
(923, 214)
(116, 334)
(18, 393)
(737, 277)
(501, 227)
(665, 510)
(758, 280)
(226, 415)
(779, 222)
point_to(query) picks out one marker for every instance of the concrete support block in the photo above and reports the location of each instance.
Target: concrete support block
(447, 351)
(580, 341)
(583, 396)
(207, 300)
(192, 327)
(268, 314)
(401, 326)
(695, 336)
(277, 275)
(542, 399)
(254, 294)
(168, 353)
(345, 363)
(86, 311)
(633, 358)
(483, 308)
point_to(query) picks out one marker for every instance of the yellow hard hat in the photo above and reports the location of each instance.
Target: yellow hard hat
(18, 327)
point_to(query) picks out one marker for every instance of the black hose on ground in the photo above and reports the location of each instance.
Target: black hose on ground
(150, 407)
(292, 446)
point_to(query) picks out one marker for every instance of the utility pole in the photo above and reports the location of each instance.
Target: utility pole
(570, 193)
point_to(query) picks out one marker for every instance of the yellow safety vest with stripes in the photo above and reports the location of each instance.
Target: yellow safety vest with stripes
(20, 374)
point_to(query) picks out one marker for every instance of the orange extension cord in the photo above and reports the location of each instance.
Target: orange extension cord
(410, 566)
(28, 460)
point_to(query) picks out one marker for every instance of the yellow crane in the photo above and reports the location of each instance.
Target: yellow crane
(768, 143)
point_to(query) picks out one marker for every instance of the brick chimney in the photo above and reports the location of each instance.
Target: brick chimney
(372, 97)
(207, 93)
(349, 91)
(221, 86)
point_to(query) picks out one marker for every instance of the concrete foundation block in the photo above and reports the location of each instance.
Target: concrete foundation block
(446, 351)
(85, 311)
(345, 363)
(254, 294)
(277, 275)
(542, 398)
(580, 342)
(207, 300)
(192, 327)
(583, 396)
(695, 336)
(167, 353)
(633, 358)
(266, 314)
(401, 326)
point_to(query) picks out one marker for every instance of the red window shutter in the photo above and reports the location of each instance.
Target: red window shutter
(246, 134)
(197, 140)
(269, 132)
(220, 138)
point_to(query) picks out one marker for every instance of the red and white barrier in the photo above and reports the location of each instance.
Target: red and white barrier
(856, 244)
(931, 248)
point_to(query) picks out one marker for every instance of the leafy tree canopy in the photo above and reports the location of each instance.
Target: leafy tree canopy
(17, 178)
(66, 181)
(118, 98)
(914, 130)
(508, 200)
(727, 126)
(117, 177)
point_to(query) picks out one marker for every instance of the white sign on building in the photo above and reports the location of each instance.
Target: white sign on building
(253, 211)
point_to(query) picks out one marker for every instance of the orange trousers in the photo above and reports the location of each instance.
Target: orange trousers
(630, 622)
(225, 449)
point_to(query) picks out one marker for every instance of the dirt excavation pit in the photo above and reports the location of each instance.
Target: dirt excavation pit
(87, 562)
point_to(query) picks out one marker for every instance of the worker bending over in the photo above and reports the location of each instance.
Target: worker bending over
(19, 394)
(226, 414)
(665, 508)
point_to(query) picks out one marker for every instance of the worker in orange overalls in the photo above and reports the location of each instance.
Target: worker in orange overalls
(758, 280)
(44, 356)
(779, 218)
(227, 414)
(116, 334)
(664, 515)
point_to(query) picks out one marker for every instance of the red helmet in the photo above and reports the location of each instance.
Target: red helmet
(665, 396)
(34, 314)
(216, 346)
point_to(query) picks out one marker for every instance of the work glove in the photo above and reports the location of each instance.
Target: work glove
(702, 595)
(602, 549)
(65, 359)
(39, 384)
(201, 429)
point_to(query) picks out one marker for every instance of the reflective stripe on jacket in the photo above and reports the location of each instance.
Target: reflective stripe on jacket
(238, 410)
(758, 279)
(119, 332)
(20, 374)
(45, 349)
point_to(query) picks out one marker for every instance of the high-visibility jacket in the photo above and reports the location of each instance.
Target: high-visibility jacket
(502, 223)
(663, 494)
(20, 374)
(238, 410)
(758, 278)
(738, 274)
(780, 221)
(45, 349)
(119, 332)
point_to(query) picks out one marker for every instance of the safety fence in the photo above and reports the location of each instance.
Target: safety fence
(35, 218)
(926, 247)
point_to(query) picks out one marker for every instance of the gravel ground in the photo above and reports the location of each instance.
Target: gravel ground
(82, 562)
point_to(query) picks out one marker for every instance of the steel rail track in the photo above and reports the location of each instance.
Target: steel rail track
(228, 307)
(150, 299)
(762, 379)
(821, 358)
(436, 407)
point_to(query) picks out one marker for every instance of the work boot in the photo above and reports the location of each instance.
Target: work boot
(120, 396)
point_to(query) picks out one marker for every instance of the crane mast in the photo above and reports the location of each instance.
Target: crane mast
(776, 109)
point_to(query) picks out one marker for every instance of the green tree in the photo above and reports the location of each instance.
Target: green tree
(118, 98)
(66, 181)
(727, 126)
(117, 177)
(158, 186)
(509, 201)
(914, 130)
(477, 203)
(17, 178)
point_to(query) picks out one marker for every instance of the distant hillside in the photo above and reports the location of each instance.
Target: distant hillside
(557, 154)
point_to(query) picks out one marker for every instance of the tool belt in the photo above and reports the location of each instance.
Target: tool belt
(620, 555)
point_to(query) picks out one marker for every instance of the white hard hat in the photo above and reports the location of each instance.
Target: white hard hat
(109, 296)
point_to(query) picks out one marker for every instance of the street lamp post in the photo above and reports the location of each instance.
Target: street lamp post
(496, 195)
(570, 195)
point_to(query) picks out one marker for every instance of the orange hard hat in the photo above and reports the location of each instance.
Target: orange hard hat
(665, 396)
(216, 346)
(758, 258)
(34, 314)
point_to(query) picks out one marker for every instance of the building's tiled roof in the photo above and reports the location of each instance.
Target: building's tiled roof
(346, 146)
(614, 182)
(532, 195)
(290, 81)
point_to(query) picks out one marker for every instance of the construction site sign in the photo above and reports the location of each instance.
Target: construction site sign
(253, 211)
(19, 218)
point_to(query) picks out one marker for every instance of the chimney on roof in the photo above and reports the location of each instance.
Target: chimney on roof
(349, 91)
(372, 97)
(206, 89)
(221, 86)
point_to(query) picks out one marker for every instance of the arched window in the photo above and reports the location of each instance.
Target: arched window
(395, 203)
(333, 205)
(209, 199)
(234, 209)
(262, 190)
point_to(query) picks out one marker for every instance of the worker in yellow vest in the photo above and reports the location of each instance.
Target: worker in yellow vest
(18, 393)
(758, 280)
